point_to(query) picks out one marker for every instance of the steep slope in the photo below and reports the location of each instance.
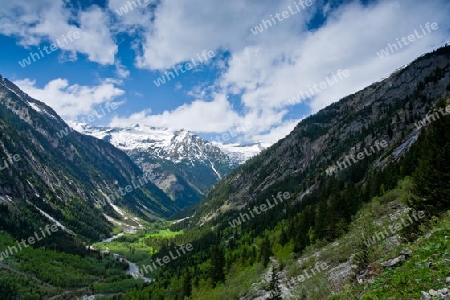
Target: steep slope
(242, 236)
(49, 170)
(184, 165)
(387, 110)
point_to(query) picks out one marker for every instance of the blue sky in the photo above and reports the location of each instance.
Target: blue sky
(117, 50)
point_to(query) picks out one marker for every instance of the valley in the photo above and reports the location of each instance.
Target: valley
(297, 161)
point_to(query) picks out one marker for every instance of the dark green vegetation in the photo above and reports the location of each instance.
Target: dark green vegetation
(44, 272)
(325, 217)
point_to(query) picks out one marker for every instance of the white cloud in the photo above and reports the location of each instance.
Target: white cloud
(70, 101)
(47, 21)
(270, 73)
(275, 134)
(178, 86)
(183, 29)
(121, 70)
(263, 72)
(266, 70)
(200, 116)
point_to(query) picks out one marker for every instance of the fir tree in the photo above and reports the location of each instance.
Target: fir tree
(187, 287)
(432, 176)
(218, 265)
(266, 251)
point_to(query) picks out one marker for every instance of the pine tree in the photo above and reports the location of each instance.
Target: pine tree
(218, 265)
(390, 132)
(432, 176)
(187, 287)
(266, 251)
(283, 237)
(321, 220)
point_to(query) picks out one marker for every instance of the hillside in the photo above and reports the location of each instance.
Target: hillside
(78, 180)
(387, 110)
(278, 212)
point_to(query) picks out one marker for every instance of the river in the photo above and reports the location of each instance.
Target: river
(133, 269)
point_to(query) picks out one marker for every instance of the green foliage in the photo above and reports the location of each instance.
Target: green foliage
(265, 252)
(425, 269)
(217, 265)
(432, 177)
(41, 273)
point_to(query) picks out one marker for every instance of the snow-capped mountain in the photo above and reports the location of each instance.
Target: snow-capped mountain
(241, 153)
(185, 165)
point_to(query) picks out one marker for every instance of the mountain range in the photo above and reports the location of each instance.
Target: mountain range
(258, 229)
(62, 174)
(184, 165)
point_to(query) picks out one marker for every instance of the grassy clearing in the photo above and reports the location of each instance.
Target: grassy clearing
(138, 247)
(165, 233)
(426, 269)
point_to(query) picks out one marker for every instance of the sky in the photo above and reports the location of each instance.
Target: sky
(210, 66)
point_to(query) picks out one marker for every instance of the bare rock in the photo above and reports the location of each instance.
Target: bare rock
(407, 253)
(394, 261)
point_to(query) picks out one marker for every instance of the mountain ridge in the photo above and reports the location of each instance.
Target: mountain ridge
(48, 173)
(183, 164)
(397, 101)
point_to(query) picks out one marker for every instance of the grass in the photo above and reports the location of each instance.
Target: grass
(426, 268)
(236, 286)
(135, 247)
(165, 233)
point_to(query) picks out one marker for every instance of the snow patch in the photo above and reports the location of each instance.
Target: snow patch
(54, 220)
(215, 171)
(117, 209)
(35, 107)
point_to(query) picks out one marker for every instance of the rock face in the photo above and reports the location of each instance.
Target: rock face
(388, 110)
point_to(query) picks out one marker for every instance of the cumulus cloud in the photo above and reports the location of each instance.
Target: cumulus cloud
(121, 70)
(257, 75)
(274, 134)
(183, 29)
(200, 116)
(265, 71)
(38, 21)
(70, 101)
